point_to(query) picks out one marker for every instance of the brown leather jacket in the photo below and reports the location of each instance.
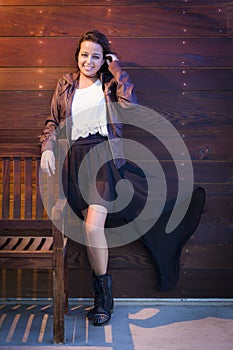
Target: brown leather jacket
(119, 93)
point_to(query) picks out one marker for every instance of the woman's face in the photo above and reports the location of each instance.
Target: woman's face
(90, 58)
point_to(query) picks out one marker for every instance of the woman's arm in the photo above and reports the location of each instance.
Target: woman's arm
(48, 137)
(125, 87)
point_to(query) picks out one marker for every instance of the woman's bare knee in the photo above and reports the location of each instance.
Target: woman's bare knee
(96, 217)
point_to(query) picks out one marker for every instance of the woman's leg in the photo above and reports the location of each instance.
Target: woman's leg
(96, 243)
(97, 250)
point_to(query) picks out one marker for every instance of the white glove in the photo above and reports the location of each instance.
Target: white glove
(47, 162)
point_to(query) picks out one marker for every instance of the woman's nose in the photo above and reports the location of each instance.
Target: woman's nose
(89, 59)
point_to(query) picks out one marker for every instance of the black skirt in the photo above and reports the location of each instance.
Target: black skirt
(94, 179)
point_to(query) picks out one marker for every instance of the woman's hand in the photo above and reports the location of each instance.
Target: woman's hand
(47, 162)
(110, 57)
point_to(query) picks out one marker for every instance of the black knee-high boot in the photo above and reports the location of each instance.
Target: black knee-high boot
(103, 300)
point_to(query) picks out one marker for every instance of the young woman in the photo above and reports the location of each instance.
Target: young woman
(84, 109)
(81, 102)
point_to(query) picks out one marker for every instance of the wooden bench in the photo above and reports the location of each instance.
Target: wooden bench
(28, 238)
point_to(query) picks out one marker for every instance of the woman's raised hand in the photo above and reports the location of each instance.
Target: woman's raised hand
(110, 57)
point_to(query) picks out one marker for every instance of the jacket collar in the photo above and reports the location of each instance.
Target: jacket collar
(71, 79)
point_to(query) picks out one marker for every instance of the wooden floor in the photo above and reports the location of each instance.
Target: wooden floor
(134, 325)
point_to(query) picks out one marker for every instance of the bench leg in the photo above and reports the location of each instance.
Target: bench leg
(58, 295)
(66, 302)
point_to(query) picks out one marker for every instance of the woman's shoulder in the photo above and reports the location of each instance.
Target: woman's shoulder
(69, 78)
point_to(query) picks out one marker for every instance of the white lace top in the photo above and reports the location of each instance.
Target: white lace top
(89, 112)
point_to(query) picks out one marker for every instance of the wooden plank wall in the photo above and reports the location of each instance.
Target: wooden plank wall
(179, 54)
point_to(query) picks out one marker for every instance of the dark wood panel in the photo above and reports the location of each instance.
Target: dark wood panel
(182, 79)
(201, 145)
(205, 110)
(116, 2)
(19, 149)
(192, 109)
(218, 207)
(193, 257)
(193, 283)
(213, 172)
(25, 109)
(214, 233)
(131, 264)
(139, 21)
(149, 80)
(21, 78)
(166, 52)
(208, 256)
(215, 146)
(206, 283)
(230, 19)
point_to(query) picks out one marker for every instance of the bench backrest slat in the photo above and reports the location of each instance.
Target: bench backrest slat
(16, 188)
(5, 187)
(28, 170)
(20, 183)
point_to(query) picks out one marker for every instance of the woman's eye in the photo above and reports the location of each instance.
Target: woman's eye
(96, 57)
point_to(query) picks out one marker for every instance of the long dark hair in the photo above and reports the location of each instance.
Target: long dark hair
(96, 37)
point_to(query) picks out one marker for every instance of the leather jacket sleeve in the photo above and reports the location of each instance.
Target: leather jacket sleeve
(125, 88)
(50, 133)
